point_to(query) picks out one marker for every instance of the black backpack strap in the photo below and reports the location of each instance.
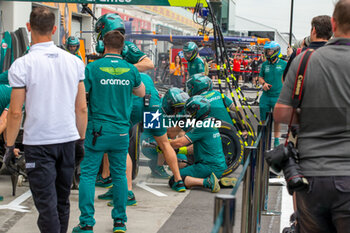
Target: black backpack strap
(300, 77)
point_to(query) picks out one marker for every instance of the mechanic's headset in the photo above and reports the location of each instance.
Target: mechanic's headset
(100, 46)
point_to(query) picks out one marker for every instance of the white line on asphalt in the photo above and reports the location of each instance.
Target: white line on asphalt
(280, 181)
(286, 208)
(143, 185)
(15, 204)
(156, 184)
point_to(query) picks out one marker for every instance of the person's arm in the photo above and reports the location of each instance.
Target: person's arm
(144, 65)
(81, 110)
(266, 86)
(289, 50)
(139, 88)
(139, 91)
(283, 109)
(172, 68)
(173, 132)
(282, 114)
(3, 120)
(164, 145)
(179, 142)
(14, 117)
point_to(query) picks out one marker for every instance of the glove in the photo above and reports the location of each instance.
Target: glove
(9, 157)
(79, 151)
(183, 150)
(159, 150)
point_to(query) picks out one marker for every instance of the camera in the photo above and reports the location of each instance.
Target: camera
(286, 158)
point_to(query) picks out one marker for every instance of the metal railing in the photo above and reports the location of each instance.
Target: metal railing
(255, 177)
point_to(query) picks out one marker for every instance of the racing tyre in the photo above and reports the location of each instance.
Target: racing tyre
(232, 146)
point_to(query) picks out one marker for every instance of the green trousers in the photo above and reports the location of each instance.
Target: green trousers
(116, 145)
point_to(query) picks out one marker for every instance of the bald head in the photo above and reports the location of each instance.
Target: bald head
(341, 18)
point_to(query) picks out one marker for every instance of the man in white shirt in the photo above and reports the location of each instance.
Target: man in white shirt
(50, 81)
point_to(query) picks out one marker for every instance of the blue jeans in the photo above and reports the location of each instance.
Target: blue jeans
(50, 173)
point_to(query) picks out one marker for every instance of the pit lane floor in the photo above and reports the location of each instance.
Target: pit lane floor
(159, 209)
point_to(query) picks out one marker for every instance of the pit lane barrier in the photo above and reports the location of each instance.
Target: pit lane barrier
(255, 177)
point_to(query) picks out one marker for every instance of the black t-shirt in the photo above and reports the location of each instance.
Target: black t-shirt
(255, 65)
(313, 45)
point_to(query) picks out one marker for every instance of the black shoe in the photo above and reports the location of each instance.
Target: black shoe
(83, 229)
(119, 227)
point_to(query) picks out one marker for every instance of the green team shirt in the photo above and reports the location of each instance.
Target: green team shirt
(205, 146)
(132, 53)
(110, 82)
(217, 107)
(139, 107)
(78, 56)
(138, 103)
(4, 78)
(272, 74)
(5, 96)
(196, 66)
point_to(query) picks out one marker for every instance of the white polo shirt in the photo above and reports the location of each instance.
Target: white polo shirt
(50, 76)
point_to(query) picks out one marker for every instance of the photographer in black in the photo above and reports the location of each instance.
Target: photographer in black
(324, 134)
(321, 32)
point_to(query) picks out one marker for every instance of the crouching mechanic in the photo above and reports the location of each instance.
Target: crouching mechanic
(111, 81)
(200, 84)
(159, 134)
(209, 159)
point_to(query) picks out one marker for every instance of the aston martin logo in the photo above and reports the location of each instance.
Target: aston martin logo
(115, 71)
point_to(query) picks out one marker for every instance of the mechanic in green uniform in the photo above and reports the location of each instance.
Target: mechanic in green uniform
(209, 159)
(159, 135)
(150, 103)
(4, 78)
(5, 96)
(200, 84)
(270, 78)
(110, 83)
(72, 45)
(131, 54)
(195, 62)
